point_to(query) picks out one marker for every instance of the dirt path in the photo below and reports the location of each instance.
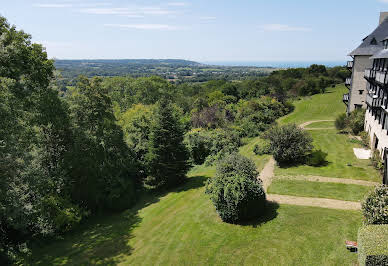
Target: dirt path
(267, 173)
(315, 202)
(305, 124)
(330, 180)
(320, 128)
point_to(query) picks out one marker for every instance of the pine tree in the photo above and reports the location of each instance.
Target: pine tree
(167, 157)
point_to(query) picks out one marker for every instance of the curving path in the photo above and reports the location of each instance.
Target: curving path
(305, 124)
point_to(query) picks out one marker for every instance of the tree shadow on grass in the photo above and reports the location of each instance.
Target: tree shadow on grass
(102, 239)
(270, 213)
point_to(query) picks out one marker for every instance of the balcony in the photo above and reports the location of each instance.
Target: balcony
(382, 77)
(345, 98)
(369, 74)
(350, 64)
(373, 101)
(348, 82)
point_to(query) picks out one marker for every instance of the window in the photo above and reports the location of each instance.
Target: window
(361, 92)
(373, 42)
(358, 106)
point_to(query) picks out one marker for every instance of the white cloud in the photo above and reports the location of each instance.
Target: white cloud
(207, 18)
(177, 4)
(143, 26)
(282, 27)
(383, 1)
(129, 12)
(53, 5)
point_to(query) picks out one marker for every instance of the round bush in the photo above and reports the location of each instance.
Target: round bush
(375, 206)
(235, 190)
(289, 143)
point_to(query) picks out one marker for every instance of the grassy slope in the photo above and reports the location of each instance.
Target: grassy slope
(319, 190)
(342, 163)
(340, 151)
(321, 125)
(184, 228)
(247, 150)
(317, 107)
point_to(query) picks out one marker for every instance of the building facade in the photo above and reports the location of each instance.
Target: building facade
(356, 98)
(376, 117)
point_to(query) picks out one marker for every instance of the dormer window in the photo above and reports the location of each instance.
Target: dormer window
(385, 43)
(373, 41)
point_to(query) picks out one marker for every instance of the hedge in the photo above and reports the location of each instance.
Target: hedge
(373, 245)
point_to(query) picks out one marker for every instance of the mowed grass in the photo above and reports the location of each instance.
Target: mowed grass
(325, 106)
(183, 228)
(325, 124)
(247, 151)
(349, 192)
(341, 161)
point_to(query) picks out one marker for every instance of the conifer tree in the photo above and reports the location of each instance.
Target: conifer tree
(167, 157)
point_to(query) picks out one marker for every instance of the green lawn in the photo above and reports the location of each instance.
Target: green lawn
(325, 106)
(326, 124)
(342, 163)
(301, 188)
(183, 228)
(247, 150)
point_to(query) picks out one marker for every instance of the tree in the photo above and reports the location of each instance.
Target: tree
(103, 168)
(375, 206)
(289, 143)
(167, 157)
(235, 191)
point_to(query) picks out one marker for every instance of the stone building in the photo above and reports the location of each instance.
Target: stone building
(376, 117)
(356, 98)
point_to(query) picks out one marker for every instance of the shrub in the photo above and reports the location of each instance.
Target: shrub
(356, 121)
(377, 162)
(198, 142)
(223, 142)
(289, 143)
(317, 158)
(365, 138)
(340, 122)
(372, 245)
(261, 149)
(375, 206)
(235, 191)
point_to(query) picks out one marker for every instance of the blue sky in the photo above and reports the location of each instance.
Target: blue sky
(200, 30)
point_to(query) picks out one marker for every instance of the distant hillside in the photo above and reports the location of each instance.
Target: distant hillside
(175, 70)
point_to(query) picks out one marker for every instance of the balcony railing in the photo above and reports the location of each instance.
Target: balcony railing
(348, 82)
(373, 101)
(350, 64)
(382, 77)
(369, 73)
(345, 98)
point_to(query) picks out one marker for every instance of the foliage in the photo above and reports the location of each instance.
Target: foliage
(235, 190)
(265, 148)
(341, 122)
(365, 138)
(167, 157)
(199, 144)
(317, 158)
(356, 121)
(375, 206)
(372, 245)
(136, 125)
(376, 160)
(104, 169)
(289, 143)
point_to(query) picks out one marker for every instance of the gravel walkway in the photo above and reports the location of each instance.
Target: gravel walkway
(315, 202)
(267, 173)
(330, 180)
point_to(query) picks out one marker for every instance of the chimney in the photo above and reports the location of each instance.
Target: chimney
(383, 16)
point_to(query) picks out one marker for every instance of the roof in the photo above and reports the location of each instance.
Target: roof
(373, 43)
(381, 54)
